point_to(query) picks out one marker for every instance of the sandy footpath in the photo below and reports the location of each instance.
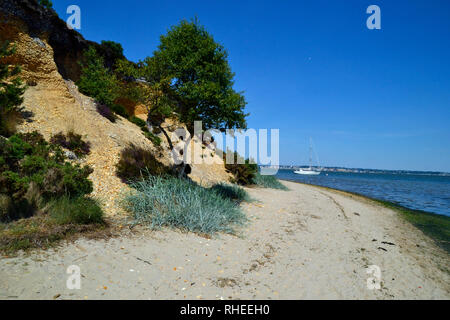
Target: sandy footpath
(306, 243)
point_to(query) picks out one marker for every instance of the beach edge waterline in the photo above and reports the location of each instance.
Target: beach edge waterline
(435, 226)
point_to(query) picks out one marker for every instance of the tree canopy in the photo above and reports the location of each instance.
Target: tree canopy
(96, 80)
(188, 76)
(200, 80)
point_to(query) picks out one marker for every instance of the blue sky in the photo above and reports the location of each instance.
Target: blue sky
(368, 98)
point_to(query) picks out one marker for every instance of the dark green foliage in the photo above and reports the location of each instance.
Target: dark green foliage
(120, 110)
(79, 210)
(73, 142)
(6, 207)
(135, 162)
(150, 136)
(67, 179)
(138, 121)
(243, 171)
(96, 80)
(111, 52)
(181, 203)
(268, 181)
(11, 91)
(189, 77)
(46, 3)
(201, 78)
(33, 171)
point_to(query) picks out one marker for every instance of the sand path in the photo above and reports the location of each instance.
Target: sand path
(306, 243)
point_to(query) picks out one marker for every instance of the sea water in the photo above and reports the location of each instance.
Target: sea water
(429, 193)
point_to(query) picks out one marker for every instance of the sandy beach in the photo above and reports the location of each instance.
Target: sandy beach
(305, 243)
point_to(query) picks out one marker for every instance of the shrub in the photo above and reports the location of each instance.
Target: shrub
(135, 161)
(79, 210)
(34, 171)
(96, 80)
(73, 142)
(120, 110)
(244, 173)
(150, 136)
(138, 121)
(111, 51)
(6, 207)
(267, 181)
(67, 179)
(106, 112)
(180, 203)
(11, 91)
(231, 191)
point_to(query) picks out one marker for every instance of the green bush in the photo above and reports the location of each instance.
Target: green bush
(244, 173)
(11, 91)
(268, 182)
(138, 121)
(150, 136)
(180, 203)
(79, 210)
(96, 80)
(6, 207)
(120, 110)
(34, 172)
(135, 162)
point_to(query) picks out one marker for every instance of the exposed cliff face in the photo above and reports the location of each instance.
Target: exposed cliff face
(41, 23)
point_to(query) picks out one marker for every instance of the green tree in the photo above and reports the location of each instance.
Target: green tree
(11, 91)
(111, 52)
(96, 80)
(199, 76)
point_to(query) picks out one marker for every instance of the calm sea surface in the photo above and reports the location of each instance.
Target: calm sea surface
(423, 192)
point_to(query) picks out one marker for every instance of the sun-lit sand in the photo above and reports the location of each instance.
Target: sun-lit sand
(306, 243)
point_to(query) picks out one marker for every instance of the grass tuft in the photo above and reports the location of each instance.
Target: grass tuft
(232, 192)
(180, 203)
(268, 182)
(80, 210)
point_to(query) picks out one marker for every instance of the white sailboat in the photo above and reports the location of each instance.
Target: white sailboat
(309, 171)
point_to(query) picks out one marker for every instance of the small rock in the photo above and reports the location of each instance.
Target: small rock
(70, 155)
(39, 42)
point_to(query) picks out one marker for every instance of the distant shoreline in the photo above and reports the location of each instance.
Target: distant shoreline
(434, 225)
(368, 171)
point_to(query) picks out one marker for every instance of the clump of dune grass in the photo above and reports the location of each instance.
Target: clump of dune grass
(268, 181)
(81, 210)
(183, 204)
(231, 191)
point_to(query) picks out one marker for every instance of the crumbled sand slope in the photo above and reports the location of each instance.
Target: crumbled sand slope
(306, 243)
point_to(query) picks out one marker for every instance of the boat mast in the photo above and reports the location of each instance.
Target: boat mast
(310, 153)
